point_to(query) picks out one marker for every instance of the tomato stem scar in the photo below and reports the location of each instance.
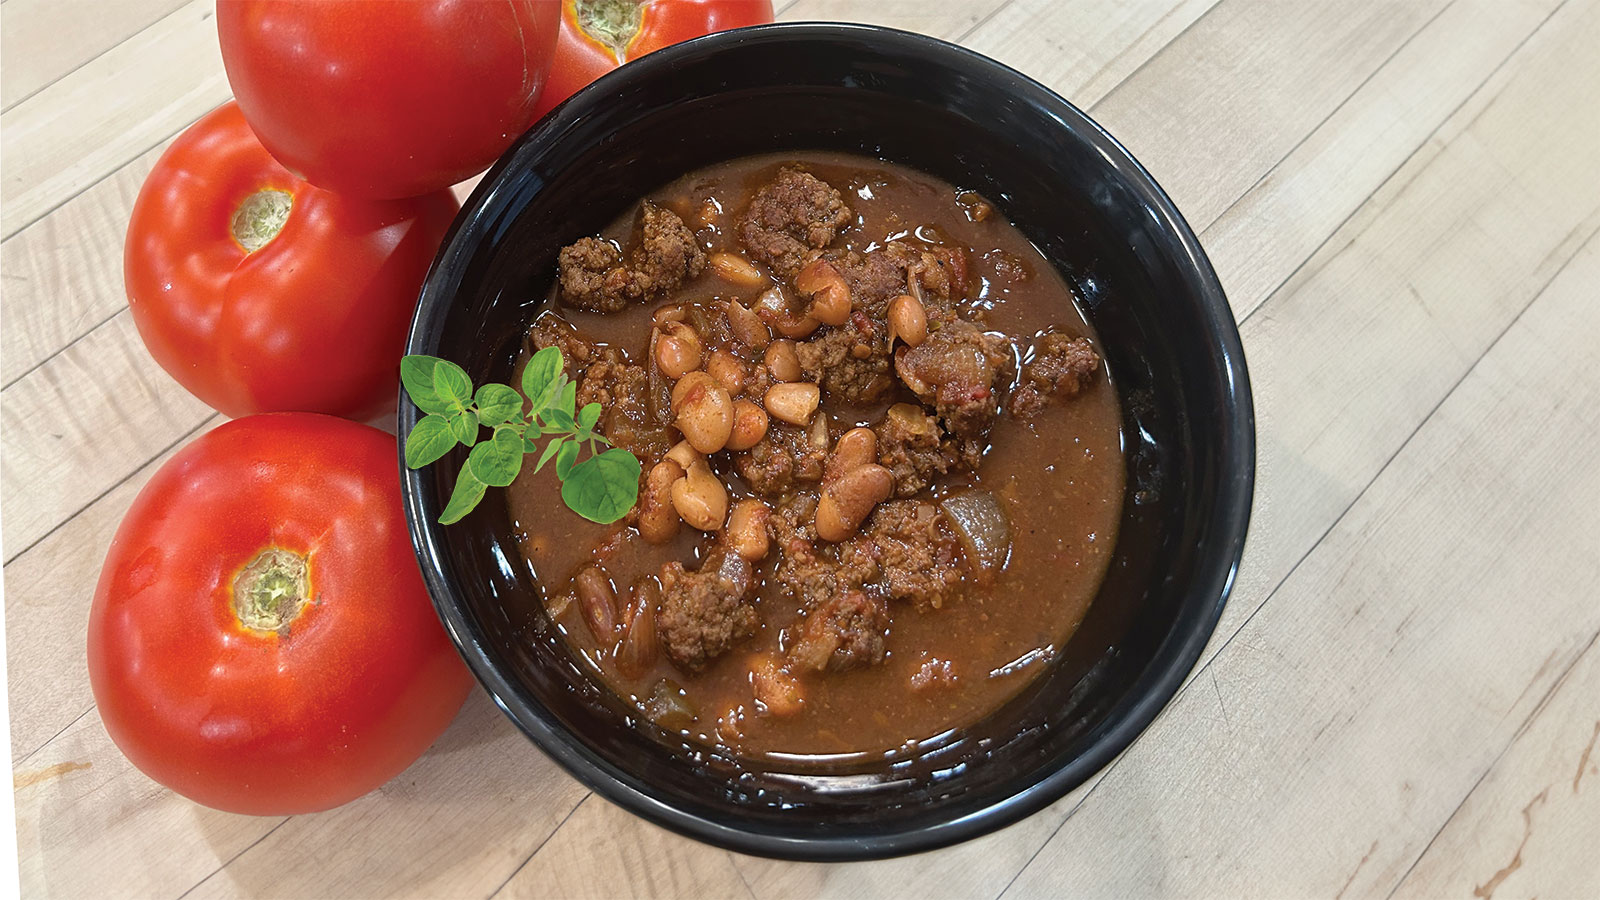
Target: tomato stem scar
(611, 22)
(271, 590)
(260, 217)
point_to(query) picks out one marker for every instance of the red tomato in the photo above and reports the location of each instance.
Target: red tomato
(387, 99)
(600, 35)
(342, 677)
(314, 320)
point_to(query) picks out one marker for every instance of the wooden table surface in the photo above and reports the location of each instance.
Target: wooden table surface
(1403, 696)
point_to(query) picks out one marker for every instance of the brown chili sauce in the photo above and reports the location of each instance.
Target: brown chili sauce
(999, 431)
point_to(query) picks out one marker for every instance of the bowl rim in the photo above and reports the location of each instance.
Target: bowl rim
(1152, 689)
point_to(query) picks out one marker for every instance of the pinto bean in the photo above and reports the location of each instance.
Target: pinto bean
(705, 416)
(735, 269)
(746, 326)
(672, 312)
(747, 529)
(689, 382)
(782, 361)
(700, 498)
(728, 370)
(793, 402)
(817, 434)
(749, 425)
(855, 448)
(846, 502)
(830, 295)
(684, 455)
(908, 320)
(658, 521)
(678, 351)
(773, 308)
(777, 692)
(637, 651)
(597, 601)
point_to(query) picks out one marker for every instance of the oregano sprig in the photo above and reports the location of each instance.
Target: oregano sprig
(601, 488)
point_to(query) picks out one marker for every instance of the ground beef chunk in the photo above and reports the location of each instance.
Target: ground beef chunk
(594, 276)
(912, 448)
(960, 371)
(704, 614)
(907, 552)
(782, 459)
(626, 419)
(1060, 368)
(846, 631)
(940, 272)
(603, 375)
(790, 219)
(550, 330)
(873, 278)
(850, 362)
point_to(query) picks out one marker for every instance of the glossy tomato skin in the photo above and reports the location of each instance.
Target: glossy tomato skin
(387, 99)
(270, 723)
(581, 58)
(313, 321)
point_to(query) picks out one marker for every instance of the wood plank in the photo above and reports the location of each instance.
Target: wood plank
(80, 424)
(1237, 90)
(1282, 220)
(457, 823)
(93, 121)
(43, 40)
(47, 596)
(1357, 348)
(1528, 829)
(79, 790)
(1389, 667)
(63, 274)
(625, 857)
(88, 819)
(948, 19)
(1082, 49)
(1380, 325)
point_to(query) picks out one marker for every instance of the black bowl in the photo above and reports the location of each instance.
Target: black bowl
(1092, 210)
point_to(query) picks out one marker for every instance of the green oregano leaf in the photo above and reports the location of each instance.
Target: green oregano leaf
(497, 460)
(565, 457)
(550, 450)
(561, 419)
(464, 425)
(428, 441)
(416, 374)
(541, 378)
(603, 488)
(588, 416)
(569, 398)
(498, 404)
(467, 493)
(451, 383)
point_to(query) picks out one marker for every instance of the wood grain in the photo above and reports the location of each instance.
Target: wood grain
(63, 274)
(82, 422)
(1401, 607)
(1299, 723)
(1259, 240)
(1401, 200)
(39, 51)
(115, 107)
(1527, 829)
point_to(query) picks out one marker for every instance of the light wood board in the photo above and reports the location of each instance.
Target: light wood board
(1402, 200)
